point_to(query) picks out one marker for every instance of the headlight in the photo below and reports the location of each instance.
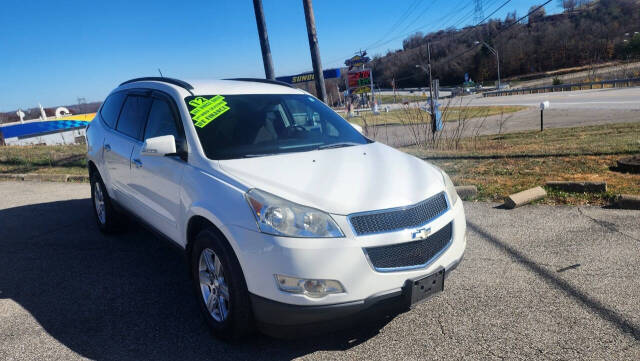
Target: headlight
(450, 188)
(280, 217)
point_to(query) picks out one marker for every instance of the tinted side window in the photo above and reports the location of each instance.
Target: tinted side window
(111, 109)
(161, 121)
(133, 116)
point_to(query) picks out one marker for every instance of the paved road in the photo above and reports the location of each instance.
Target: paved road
(620, 71)
(537, 283)
(613, 99)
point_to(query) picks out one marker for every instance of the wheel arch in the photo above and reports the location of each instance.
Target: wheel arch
(195, 225)
(92, 168)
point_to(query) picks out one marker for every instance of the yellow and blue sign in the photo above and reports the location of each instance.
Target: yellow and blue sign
(40, 128)
(357, 60)
(304, 77)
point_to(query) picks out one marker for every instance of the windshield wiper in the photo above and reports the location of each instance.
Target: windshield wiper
(337, 145)
(258, 155)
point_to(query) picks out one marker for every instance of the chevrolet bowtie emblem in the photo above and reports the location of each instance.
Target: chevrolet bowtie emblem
(421, 233)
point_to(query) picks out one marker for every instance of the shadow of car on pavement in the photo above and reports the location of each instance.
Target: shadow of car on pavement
(121, 297)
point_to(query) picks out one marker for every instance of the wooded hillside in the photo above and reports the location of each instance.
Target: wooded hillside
(597, 31)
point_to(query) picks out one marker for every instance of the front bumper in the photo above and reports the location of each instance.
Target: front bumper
(262, 256)
(286, 320)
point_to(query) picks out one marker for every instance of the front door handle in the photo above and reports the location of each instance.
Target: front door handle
(107, 147)
(138, 163)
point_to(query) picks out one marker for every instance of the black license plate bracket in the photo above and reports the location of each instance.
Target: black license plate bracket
(419, 289)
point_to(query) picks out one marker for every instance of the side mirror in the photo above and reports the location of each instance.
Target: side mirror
(159, 146)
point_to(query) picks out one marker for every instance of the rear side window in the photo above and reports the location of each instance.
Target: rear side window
(111, 109)
(161, 121)
(133, 116)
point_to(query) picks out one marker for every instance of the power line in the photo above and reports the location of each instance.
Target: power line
(401, 19)
(476, 22)
(500, 31)
(486, 18)
(415, 4)
(375, 45)
(445, 18)
(449, 15)
(478, 11)
(473, 27)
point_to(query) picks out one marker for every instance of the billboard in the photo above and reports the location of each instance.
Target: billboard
(357, 60)
(309, 76)
(360, 81)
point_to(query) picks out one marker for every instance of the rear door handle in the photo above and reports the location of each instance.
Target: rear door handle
(107, 147)
(138, 163)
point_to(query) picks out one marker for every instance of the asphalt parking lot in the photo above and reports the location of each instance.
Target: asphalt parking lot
(538, 282)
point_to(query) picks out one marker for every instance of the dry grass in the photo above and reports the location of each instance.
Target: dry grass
(499, 177)
(495, 178)
(451, 113)
(57, 159)
(610, 138)
(388, 99)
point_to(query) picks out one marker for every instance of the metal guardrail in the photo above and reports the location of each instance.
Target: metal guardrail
(564, 87)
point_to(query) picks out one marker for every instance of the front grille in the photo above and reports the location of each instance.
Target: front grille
(393, 220)
(409, 254)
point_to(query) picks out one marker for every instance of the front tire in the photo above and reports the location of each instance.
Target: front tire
(221, 288)
(108, 219)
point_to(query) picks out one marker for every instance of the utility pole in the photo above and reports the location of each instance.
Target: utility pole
(264, 40)
(433, 113)
(315, 50)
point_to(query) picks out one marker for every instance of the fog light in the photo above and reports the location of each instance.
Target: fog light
(309, 287)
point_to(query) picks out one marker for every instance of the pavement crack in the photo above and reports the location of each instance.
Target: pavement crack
(441, 326)
(608, 225)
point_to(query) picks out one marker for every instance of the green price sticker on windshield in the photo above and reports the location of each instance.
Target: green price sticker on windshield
(206, 110)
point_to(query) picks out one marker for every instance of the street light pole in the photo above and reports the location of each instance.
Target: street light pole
(497, 58)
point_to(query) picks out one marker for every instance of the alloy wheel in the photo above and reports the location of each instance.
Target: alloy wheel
(213, 286)
(98, 202)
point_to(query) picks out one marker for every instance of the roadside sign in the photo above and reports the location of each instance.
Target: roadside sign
(362, 90)
(359, 78)
(357, 60)
(438, 117)
(360, 81)
(309, 76)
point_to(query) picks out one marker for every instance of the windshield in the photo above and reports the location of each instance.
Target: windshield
(254, 125)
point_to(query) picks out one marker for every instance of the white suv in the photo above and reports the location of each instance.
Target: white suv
(287, 214)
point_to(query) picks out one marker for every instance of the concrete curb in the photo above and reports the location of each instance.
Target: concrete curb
(627, 201)
(578, 187)
(524, 197)
(467, 192)
(63, 178)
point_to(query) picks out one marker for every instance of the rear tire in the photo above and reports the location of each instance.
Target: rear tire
(220, 287)
(108, 219)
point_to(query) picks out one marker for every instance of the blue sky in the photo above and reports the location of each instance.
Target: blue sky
(53, 52)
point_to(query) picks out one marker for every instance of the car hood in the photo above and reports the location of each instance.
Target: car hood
(341, 180)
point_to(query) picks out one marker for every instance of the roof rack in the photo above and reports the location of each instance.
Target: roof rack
(261, 80)
(178, 82)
